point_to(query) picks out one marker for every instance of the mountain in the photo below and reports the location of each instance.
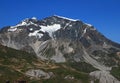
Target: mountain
(62, 40)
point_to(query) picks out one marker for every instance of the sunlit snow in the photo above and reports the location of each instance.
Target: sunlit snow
(12, 29)
(35, 33)
(24, 23)
(31, 29)
(34, 18)
(65, 18)
(84, 30)
(50, 29)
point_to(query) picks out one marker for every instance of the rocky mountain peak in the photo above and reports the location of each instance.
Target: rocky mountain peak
(60, 39)
(54, 28)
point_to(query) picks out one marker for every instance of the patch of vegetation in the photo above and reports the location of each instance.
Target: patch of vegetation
(116, 72)
(9, 54)
(110, 59)
(99, 53)
(35, 81)
(60, 74)
(96, 81)
(16, 59)
(82, 66)
(114, 55)
(7, 73)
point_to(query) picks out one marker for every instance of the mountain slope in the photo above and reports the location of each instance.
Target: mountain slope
(63, 40)
(18, 65)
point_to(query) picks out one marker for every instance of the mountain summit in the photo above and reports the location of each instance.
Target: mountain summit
(60, 39)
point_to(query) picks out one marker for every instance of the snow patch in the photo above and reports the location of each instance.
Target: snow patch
(25, 23)
(21, 24)
(70, 25)
(88, 37)
(65, 18)
(12, 29)
(31, 29)
(34, 18)
(105, 45)
(50, 28)
(36, 33)
(67, 24)
(76, 33)
(84, 30)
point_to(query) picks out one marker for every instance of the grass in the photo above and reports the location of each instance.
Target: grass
(96, 81)
(60, 74)
(82, 66)
(8, 74)
(116, 72)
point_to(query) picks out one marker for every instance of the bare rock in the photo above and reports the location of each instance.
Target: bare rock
(103, 77)
(39, 74)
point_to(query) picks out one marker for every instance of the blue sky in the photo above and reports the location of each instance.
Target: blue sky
(103, 14)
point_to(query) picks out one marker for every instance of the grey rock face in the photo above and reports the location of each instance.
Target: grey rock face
(39, 74)
(103, 76)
